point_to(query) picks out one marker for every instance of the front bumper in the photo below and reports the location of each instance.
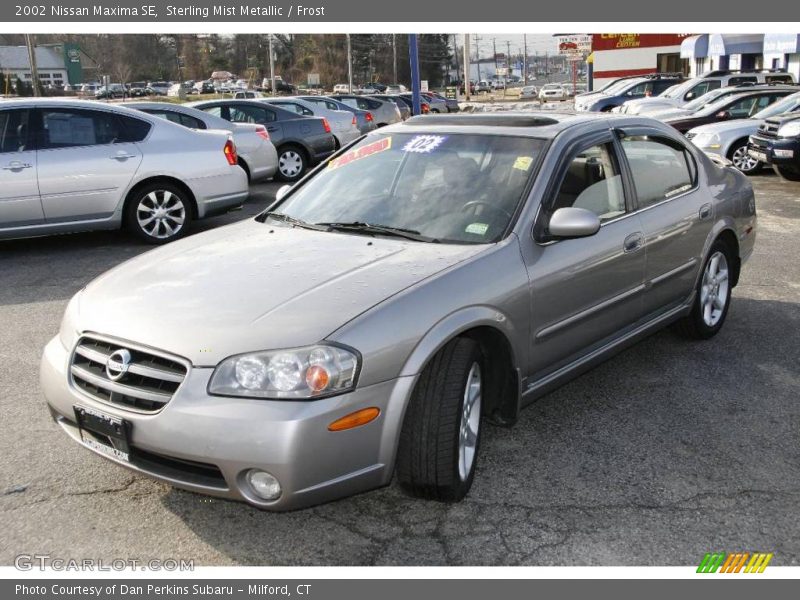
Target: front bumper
(206, 443)
(777, 151)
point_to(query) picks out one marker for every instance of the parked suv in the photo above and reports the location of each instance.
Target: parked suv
(777, 143)
(699, 86)
(628, 89)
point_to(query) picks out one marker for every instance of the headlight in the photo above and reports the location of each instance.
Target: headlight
(309, 372)
(68, 332)
(790, 129)
(706, 140)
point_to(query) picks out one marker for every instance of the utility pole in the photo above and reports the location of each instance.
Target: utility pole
(494, 48)
(34, 70)
(525, 59)
(349, 66)
(455, 52)
(394, 59)
(508, 65)
(271, 68)
(467, 66)
(478, 55)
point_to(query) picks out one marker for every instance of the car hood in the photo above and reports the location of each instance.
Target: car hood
(254, 286)
(669, 113)
(733, 127)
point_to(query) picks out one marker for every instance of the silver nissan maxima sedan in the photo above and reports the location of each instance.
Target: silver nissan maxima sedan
(71, 165)
(437, 275)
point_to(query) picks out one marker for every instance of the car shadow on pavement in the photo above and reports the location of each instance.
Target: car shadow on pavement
(669, 449)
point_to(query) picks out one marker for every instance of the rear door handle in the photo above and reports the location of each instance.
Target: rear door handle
(16, 165)
(633, 242)
(705, 212)
(122, 156)
(272, 128)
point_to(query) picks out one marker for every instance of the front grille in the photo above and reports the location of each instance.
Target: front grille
(768, 129)
(148, 384)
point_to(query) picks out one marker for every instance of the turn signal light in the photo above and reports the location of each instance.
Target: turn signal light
(230, 152)
(356, 419)
(355, 122)
(326, 125)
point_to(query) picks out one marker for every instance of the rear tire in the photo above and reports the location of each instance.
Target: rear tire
(292, 163)
(440, 438)
(158, 213)
(787, 172)
(712, 297)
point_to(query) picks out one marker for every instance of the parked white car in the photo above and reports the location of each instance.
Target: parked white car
(343, 123)
(72, 165)
(341, 88)
(257, 154)
(553, 91)
(529, 92)
(729, 138)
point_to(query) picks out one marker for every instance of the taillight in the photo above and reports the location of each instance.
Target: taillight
(355, 122)
(369, 116)
(326, 125)
(262, 132)
(230, 152)
(425, 108)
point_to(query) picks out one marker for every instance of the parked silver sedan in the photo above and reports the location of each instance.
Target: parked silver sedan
(257, 154)
(439, 274)
(71, 165)
(383, 111)
(343, 123)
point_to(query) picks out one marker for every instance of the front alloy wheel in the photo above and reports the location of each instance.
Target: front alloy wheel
(159, 214)
(470, 422)
(743, 161)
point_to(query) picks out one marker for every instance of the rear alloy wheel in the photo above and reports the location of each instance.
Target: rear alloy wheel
(440, 438)
(159, 213)
(713, 296)
(291, 164)
(788, 173)
(742, 160)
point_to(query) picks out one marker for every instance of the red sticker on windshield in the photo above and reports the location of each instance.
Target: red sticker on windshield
(362, 152)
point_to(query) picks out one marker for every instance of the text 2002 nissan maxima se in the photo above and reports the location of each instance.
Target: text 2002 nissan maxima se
(438, 274)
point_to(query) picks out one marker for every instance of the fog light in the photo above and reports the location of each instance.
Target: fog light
(783, 153)
(263, 484)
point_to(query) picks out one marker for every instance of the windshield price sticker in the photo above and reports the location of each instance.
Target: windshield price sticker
(362, 152)
(424, 144)
(477, 228)
(523, 163)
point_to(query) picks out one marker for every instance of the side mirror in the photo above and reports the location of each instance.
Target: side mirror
(724, 114)
(281, 193)
(571, 222)
(689, 96)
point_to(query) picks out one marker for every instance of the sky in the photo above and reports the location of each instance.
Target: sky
(537, 42)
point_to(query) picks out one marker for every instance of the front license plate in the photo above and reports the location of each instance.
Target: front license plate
(759, 156)
(104, 433)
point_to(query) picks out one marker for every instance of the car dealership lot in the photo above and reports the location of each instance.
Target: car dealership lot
(670, 450)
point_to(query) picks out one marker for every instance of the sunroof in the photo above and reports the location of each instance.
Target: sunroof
(483, 120)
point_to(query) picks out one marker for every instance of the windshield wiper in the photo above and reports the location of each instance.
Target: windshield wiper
(374, 229)
(293, 221)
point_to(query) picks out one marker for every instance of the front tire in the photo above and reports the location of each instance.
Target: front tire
(440, 438)
(292, 163)
(713, 296)
(159, 213)
(742, 160)
(787, 172)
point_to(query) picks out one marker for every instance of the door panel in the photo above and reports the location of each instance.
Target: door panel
(585, 291)
(676, 217)
(83, 171)
(20, 203)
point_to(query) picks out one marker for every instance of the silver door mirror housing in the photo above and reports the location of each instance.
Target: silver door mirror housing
(571, 222)
(282, 191)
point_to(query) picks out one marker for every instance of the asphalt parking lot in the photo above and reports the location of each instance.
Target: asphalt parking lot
(668, 451)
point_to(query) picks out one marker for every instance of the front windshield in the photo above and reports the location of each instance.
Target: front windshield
(788, 104)
(617, 87)
(718, 105)
(457, 188)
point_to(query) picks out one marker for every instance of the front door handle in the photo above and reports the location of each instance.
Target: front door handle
(16, 165)
(705, 212)
(633, 242)
(272, 128)
(122, 156)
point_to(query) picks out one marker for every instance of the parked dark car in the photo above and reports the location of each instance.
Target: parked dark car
(364, 119)
(405, 111)
(777, 143)
(628, 89)
(734, 106)
(425, 108)
(301, 142)
(452, 103)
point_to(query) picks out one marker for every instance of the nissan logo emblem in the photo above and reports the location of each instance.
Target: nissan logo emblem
(117, 364)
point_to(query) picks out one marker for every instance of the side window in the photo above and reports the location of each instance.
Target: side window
(65, 128)
(741, 79)
(741, 108)
(331, 105)
(638, 90)
(14, 131)
(593, 182)
(243, 113)
(133, 130)
(214, 110)
(661, 168)
(778, 78)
